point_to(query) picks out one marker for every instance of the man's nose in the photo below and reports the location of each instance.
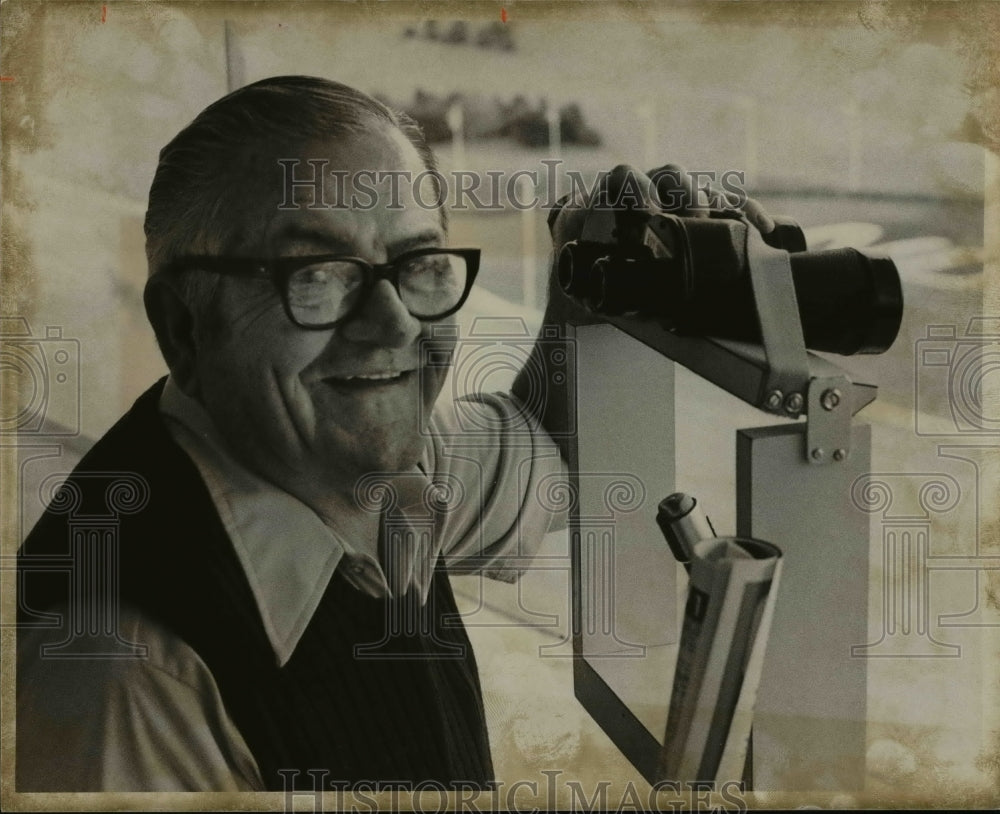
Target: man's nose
(382, 320)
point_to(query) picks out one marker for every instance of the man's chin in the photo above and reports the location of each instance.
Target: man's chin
(385, 461)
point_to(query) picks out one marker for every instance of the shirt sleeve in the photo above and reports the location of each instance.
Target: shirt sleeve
(151, 723)
(504, 483)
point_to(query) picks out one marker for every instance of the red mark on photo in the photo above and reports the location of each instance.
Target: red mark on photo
(503, 14)
(6, 78)
(104, 14)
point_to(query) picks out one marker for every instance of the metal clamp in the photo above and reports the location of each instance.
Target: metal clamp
(827, 399)
(828, 431)
(780, 327)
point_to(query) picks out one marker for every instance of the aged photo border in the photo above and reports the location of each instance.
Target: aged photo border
(22, 59)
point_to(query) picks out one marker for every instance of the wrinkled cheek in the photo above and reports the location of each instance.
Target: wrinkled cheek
(432, 384)
(440, 351)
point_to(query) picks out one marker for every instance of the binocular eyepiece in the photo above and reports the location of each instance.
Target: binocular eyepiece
(692, 274)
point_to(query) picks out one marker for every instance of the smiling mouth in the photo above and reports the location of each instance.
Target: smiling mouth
(368, 381)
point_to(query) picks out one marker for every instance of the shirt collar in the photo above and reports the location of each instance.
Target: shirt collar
(286, 550)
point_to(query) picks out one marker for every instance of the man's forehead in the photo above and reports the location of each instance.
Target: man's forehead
(369, 188)
(318, 231)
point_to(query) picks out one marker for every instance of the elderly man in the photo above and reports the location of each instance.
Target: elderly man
(273, 616)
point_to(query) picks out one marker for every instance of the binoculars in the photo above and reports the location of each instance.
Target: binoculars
(691, 274)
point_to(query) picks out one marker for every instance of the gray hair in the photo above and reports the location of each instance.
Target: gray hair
(214, 175)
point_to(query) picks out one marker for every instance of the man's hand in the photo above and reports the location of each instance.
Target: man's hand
(668, 188)
(677, 194)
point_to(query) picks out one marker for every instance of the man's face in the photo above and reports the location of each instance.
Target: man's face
(316, 409)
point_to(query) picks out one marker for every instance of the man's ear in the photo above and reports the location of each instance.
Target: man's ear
(174, 326)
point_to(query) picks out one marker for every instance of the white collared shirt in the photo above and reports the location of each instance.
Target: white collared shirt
(159, 724)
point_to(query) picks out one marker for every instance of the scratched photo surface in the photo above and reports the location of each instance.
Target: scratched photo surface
(873, 125)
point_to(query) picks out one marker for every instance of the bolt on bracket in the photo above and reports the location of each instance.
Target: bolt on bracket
(828, 428)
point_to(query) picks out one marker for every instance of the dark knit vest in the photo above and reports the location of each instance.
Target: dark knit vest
(375, 690)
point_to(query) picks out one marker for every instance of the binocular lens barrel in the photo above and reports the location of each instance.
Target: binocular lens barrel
(849, 302)
(576, 270)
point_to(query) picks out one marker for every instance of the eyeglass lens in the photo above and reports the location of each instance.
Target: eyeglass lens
(429, 285)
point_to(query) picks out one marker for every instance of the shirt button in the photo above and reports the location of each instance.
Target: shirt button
(358, 569)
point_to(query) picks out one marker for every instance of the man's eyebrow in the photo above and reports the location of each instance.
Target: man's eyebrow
(431, 237)
(330, 243)
(297, 232)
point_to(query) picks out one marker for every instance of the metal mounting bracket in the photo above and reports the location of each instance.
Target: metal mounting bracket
(787, 376)
(828, 431)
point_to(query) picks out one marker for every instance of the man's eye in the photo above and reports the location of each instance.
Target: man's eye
(429, 265)
(324, 284)
(316, 274)
(337, 273)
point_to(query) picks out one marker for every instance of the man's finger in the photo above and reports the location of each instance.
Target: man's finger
(674, 192)
(757, 215)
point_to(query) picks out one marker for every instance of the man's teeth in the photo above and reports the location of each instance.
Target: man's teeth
(395, 375)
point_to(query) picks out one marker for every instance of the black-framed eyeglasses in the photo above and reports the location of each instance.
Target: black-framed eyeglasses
(319, 291)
